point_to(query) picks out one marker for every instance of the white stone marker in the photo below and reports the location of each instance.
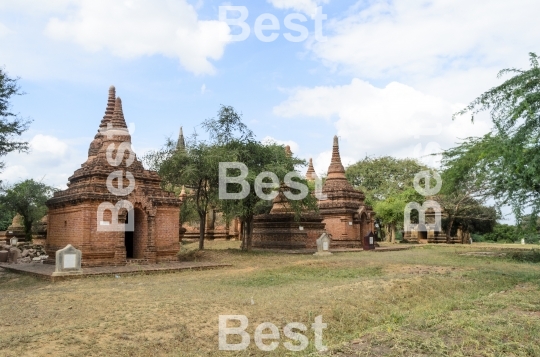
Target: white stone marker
(68, 261)
(323, 245)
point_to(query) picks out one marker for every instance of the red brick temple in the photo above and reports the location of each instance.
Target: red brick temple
(73, 213)
(346, 217)
(280, 230)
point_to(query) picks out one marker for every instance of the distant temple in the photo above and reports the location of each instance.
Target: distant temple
(342, 214)
(346, 217)
(82, 215)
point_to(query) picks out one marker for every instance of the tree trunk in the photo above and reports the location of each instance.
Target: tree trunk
(241, 234)
(392, 233)
(449, 229)
(388, 233)
(27, 230)
(249, 232)
(202, 230)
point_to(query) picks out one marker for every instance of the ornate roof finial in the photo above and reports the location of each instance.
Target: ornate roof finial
(181, 144)
(311, 175)
(109, 111)
(118, 120)
(336, 169)
(183, 194)
(288, 150)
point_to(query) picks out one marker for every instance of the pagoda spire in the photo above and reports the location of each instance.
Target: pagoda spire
(118, 120)
(311, 175)
(336, 169)
(182, 194)
(109, 111)
(181, 144)
(288, 150)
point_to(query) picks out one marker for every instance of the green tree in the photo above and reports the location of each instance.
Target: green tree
(387, 183)
(506, 161)
(233, 137)
(197, 168)
(382, 177)
(27, 198)
(11, 124)
(391, 210)
(6, 217)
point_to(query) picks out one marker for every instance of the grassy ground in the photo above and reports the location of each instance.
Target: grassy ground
(428, 301)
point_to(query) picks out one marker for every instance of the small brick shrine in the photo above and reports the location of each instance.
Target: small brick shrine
(73, 213)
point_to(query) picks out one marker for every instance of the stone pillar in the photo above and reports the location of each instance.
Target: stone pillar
(120, 246)
(151, 251)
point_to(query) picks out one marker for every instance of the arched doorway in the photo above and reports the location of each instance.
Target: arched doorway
(422, 234)
(135, 241)
(128, 238)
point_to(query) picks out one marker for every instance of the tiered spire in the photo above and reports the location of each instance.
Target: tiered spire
(311, 175)
(181, 144)
(182, 194)
(118, 120)
(288, 150)
(336, 169)
(109, 111)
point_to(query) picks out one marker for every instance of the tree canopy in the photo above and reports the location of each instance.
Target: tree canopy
(504, 163)
(27, 198)
(11, 124)
(382, 177)
(197, 168)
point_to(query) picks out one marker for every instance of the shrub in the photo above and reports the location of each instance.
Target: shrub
(503, 233)
(531, 256)
(189, 255)
(478, 237)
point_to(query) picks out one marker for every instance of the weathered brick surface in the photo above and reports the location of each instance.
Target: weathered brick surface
(73, 213)
(346, 217)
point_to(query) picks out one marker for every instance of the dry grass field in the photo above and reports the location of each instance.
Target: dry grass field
(428, 301)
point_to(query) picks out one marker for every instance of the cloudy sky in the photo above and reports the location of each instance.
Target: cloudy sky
(385, 76)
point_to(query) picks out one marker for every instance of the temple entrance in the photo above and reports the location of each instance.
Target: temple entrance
(128, 239)
(135, 241)
(422, 234)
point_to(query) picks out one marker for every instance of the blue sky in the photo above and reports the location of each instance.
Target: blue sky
(386, 80)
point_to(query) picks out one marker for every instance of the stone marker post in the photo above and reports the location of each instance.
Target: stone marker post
(323, 245)
(68, 261)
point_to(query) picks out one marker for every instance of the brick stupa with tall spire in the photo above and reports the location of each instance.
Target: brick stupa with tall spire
(346, 216)
(311, 175)
(73, 213)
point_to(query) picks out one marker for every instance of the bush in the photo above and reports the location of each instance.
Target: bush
(531, 256)
(503, 233)
(189, 255)
(478, 237)
(532, 239)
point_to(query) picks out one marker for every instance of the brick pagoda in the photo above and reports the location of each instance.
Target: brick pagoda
(346, 216)
(280, 230)
(73, 213)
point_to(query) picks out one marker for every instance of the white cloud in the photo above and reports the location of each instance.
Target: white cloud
(306, 6)
(135, 28)
(295, 148)
(417, 37)
(50, 159)
(376, 121)
(48, 145)
(4, 30)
